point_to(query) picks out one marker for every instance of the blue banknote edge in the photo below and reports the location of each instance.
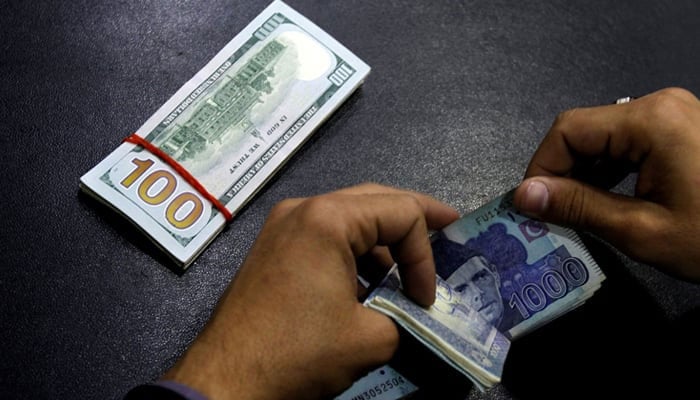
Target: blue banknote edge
(484, 369)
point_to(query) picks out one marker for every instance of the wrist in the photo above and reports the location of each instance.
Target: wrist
(200, 370)
(220, 370)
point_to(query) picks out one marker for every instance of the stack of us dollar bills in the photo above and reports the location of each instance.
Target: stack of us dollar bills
(230, 128)
(500, 275)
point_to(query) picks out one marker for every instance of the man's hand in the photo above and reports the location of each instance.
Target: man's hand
(657, 135)
(289, 325)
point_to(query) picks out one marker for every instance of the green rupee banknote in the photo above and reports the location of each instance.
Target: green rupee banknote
(232, 126)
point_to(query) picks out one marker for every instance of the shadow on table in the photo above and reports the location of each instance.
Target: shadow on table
(619, 342)
(129, 232)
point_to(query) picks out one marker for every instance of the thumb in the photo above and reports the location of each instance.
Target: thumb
(622, 220)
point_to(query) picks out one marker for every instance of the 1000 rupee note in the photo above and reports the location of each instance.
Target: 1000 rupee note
(518, 272)
(500, 275)
(231, 127)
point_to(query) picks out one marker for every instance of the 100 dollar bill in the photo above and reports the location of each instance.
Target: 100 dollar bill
(231, 127)
(499, 276)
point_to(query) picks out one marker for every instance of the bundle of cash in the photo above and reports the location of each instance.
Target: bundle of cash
(211, 147)
(500, 275)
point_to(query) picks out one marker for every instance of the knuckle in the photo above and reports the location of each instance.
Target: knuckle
(669, 105)
(563, 118)
(319, 214)
(416, 205)
(370, 185)
(409, 205)
(677, 93)
(575, 207)
(563, 123)
(641, 239)
(282, 208)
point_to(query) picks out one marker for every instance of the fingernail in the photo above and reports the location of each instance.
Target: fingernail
(536, 198)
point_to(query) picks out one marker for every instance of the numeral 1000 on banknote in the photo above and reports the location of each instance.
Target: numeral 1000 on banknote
(553, 285)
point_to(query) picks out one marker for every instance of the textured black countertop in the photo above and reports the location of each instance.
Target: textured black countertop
(459, 96)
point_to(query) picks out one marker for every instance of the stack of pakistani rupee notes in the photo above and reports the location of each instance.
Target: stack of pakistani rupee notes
(231, 127)
(500, 275)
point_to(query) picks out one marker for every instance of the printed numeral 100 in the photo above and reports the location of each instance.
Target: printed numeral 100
(164, 193)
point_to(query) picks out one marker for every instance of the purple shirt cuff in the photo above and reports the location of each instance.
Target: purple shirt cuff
(164, 390)
(183, 390)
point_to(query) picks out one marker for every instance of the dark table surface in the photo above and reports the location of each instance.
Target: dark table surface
(460, 94)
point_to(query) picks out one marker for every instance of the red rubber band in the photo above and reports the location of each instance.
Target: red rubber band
(136, 139)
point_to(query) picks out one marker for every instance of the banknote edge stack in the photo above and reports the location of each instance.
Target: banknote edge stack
(90, 182)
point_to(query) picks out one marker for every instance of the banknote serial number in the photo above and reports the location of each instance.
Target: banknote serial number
(380, 388)
(495, 212)
(276, 125)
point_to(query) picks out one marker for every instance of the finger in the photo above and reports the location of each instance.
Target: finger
(437, 213)
(603, 172)
(624, 221)
(381, 256)
(397, 221)
(364, 188)
(608, 131)
(369, 188)
(623, 132)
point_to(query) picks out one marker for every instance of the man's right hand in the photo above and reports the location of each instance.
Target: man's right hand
(657, 135)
